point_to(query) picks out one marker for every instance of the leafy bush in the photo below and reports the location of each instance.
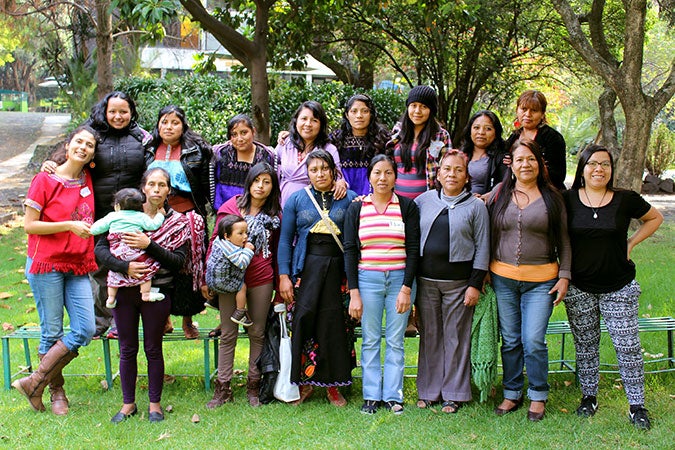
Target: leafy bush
(661, 151)
(210, 101)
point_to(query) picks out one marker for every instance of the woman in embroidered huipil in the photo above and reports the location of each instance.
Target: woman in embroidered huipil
(310, 259)
(59, 214)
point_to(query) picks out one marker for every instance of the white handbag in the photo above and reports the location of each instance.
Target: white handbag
(283, 389)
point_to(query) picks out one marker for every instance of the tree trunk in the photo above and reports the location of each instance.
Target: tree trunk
(608, 136)
(104, 47)
(630, 166)
(260, 97)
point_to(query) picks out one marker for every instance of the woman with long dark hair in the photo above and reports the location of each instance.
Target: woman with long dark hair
(530, 272)
(359, 138)
(308, 131)
(260, 206)
(418, 143)
(483, 144)
(186, 156)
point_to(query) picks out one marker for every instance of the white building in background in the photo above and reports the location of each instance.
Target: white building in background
(178, 56)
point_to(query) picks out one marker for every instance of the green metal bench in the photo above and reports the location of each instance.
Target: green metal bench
(645, 325)
(561, 328)
(33, 332)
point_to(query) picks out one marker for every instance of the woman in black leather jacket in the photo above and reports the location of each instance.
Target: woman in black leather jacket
(185, 155)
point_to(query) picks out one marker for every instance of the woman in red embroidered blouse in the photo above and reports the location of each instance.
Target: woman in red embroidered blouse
(59, 212)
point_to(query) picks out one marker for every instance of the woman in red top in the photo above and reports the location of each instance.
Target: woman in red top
(59, 212)
(260, 206)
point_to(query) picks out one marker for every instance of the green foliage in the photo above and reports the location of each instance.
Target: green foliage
(210, 101)
(661, 150)
(8, 42)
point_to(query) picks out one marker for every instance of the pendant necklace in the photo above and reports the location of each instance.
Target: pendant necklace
(595, 210)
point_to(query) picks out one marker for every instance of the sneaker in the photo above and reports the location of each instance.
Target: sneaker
(640, 418)
(369, 407)
(588, 407)
(240, 316)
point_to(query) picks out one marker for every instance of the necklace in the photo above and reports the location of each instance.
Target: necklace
(595, 210)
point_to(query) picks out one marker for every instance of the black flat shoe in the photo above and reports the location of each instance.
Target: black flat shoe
(121, 417)
(154, 416)
(502, 411)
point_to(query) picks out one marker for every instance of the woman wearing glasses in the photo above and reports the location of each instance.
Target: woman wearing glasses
(603, 277)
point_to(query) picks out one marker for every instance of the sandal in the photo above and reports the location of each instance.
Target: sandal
(450, 407)
(369, 407)
(216, 332)
(394, 407)
(424, 404)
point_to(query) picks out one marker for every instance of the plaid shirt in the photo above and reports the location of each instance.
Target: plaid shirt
(438, 146)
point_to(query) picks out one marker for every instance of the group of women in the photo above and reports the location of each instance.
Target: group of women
(359, 222)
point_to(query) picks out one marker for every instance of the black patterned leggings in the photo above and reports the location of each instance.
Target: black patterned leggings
(620, 311)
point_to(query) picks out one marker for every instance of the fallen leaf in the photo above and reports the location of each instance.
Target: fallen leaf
(104, 385)
(24, 281)
(4, 295)
(30, 294)
(204, 312)
(11, 259)
(169, 379)
(30, 309)
(22, 270)
(195, 418)
(672, 396)
(6, 326)
(5, 306)
(169, 409)
(568, 383)
(564, 410)
(164, 435)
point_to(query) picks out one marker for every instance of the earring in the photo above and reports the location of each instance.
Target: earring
(513, 176)
(92, 164)
(583, 182)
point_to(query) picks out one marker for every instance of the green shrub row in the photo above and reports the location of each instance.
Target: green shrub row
(210, 101)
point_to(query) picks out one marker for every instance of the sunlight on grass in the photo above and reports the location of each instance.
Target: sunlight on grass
(317, 424)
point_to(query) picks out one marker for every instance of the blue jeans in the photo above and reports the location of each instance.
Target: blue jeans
(524, 309)
(379, 291)
(52, 292)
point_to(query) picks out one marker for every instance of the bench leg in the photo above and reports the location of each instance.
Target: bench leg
(26, 352)
(105, 343)
(6, 363)
(670, 348)
(207, 366)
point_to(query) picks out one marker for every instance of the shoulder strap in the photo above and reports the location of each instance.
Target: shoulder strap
(324, 218)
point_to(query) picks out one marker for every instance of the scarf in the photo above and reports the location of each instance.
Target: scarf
(484, 337)
(260, 229)
(194, 263)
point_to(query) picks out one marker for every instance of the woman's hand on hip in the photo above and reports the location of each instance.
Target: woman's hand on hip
(403, 300)
(471, 296)
(137, 269)
(136, 240)
(355, 304)
(286, 288)
(561, 288)
(340, 189)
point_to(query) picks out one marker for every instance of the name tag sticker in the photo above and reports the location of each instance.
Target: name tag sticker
(85, 192)
(395, 224)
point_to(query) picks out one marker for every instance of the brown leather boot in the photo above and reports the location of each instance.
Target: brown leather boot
(252, 392)
(59, 401)
(33, 386)
(221, 395)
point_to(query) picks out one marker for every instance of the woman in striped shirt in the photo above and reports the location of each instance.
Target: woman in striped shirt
(381, 253)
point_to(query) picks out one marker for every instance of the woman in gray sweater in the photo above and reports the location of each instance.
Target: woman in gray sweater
(530, 272)
(455, 252)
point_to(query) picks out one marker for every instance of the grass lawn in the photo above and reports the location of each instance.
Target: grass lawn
(316, 423)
